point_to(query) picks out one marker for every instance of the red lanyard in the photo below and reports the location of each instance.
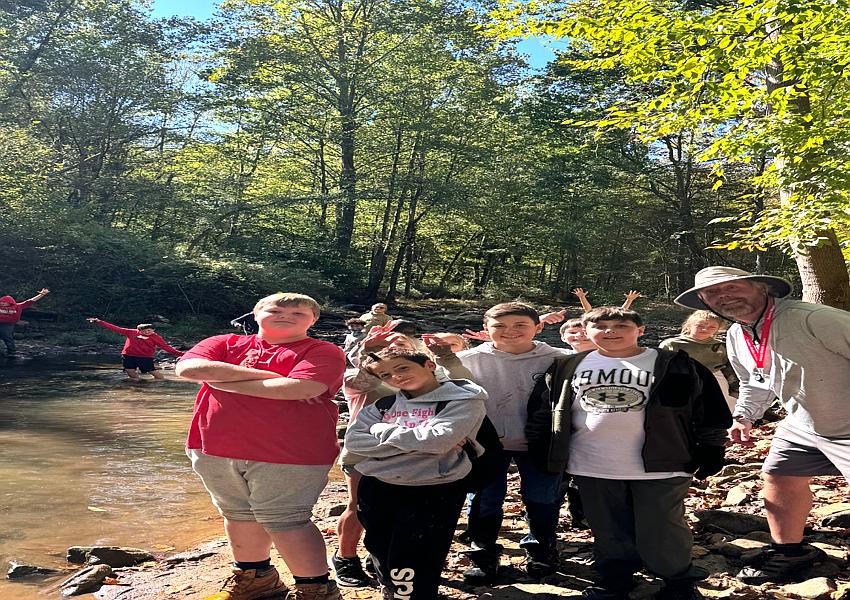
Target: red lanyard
(760, 353)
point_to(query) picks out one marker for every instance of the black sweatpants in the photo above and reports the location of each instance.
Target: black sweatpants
(409, 531)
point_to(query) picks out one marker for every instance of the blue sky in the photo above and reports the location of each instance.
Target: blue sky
(537, 49)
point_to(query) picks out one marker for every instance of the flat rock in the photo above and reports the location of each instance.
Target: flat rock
(737, 547)
(188, 557)
(830, 509)
(836, 519)
(737, 496)
(19, 570)
(833, 552)
(730, 470)
(731, 522)
(732, 593)
(113, 556)
(816, 589)
(523, 591)
(713, 563)
(85, 581)
(335, 510)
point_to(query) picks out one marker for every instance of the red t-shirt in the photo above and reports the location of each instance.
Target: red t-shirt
(10, 311)
(140, 345)
(277, 431)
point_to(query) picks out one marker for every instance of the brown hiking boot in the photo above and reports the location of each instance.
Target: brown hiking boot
(249, 585)
(314, 591)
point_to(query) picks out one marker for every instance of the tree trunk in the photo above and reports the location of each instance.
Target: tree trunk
(823, 271)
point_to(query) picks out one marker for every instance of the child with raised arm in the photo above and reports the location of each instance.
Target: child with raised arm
(139, 348)
(10, 314)
(263, 439)
(640, 423)
(411, 494)
(557, 316)
(508, 367)
(631, 296)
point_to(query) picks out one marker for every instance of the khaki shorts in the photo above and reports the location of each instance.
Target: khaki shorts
(802, 454)
(279, 497)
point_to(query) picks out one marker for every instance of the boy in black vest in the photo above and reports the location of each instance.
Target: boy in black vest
(633, 425)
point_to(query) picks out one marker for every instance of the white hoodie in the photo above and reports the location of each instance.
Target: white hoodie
(412, 445)
(509, 380)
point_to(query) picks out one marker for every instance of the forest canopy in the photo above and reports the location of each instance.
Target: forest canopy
(386, 149)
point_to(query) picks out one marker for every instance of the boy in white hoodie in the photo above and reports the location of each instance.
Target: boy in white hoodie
(412, 460)
(508, 367)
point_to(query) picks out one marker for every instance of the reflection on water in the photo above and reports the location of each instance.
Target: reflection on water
(90, 458)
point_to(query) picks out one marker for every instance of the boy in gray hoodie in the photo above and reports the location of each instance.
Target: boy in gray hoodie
(508, 367)
(412, 460)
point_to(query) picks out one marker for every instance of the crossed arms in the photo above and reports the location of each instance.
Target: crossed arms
(250, 382)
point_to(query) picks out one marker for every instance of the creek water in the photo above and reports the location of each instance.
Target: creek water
(89, 458)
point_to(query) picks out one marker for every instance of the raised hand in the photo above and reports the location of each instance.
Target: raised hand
(44, 291)
(631, 296)
(380, 336)
(554, 317)
(481, 336)
(431, 341)
(582, 298)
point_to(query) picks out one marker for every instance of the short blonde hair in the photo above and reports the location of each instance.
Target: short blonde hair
(288, 299)
(701, 315)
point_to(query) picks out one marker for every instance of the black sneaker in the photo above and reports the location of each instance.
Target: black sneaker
(349, 571)
(541, 564)
(485, 564)
(595, 592)
(777, 567)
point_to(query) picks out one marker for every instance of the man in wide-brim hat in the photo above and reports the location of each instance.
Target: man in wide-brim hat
(800, 353)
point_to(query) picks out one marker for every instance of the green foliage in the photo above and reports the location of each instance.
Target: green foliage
(359, 149)
(754, 77)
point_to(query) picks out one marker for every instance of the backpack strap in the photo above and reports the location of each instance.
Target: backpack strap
(384, 404)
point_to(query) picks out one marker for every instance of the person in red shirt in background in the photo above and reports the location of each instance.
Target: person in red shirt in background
(139, 348)
(263, 439)
(10, 313)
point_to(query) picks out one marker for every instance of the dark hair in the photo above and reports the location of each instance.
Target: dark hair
(611, 313)
(373, 358)
(355, 321)
(570, 323)
(506, 309)
(145, 326)
(406, 327)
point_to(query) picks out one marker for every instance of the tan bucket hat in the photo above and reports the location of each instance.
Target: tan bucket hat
(710, 276)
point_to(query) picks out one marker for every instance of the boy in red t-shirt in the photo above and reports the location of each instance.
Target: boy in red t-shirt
(10, 313)
(262, 439)
(139, 348)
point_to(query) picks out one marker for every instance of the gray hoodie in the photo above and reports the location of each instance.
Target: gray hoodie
(509, 380)
(412, 445)
(807, 367)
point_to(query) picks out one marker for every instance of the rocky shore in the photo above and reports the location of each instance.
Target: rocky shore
(726, 514)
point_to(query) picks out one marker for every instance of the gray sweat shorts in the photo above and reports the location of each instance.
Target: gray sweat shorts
(802, 454)
(278, 497)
